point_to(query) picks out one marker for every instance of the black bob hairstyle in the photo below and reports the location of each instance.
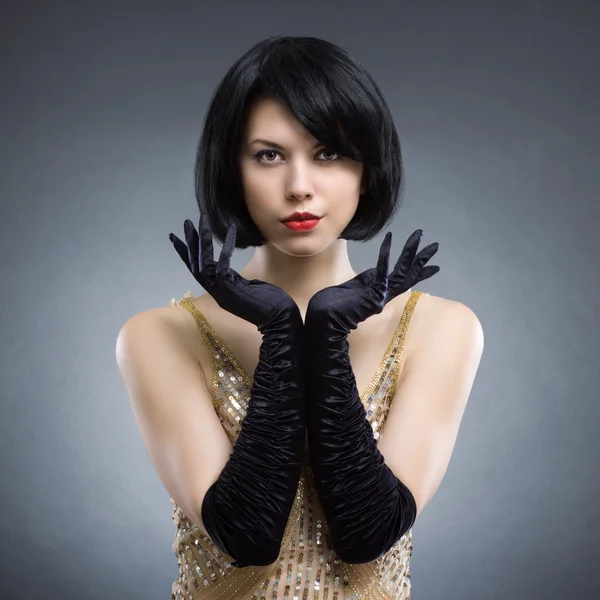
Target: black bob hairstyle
(333, 97)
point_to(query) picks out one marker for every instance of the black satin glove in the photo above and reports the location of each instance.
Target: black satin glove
(367, 507)
(246, 510)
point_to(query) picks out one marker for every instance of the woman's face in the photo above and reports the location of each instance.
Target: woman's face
(290, 171)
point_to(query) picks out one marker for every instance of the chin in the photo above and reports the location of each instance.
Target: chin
(304, 246)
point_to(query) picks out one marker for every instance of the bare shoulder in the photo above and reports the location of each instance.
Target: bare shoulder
(171, 320)
(432, 311)
(446, 324)
(442, 310)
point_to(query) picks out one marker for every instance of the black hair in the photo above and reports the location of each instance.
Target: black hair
(333, 97)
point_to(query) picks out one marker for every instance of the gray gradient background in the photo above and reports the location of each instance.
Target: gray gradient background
(496, 104)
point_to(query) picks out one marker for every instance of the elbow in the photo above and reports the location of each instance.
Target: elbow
(370, 544)
(261, 555)
(356, 549)
(365, 550)
(237, 540)
(246, 553)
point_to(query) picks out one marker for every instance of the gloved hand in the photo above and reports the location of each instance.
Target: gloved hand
(367, 507)
(246, 510)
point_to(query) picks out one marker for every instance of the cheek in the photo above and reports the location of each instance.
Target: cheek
(254, 193)
(345, 197)
(258, 189)
(348, 181)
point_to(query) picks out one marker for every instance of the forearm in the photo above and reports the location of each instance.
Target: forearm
(246, 510)
(366, 506)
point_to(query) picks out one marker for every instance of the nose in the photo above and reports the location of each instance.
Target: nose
(299, 186)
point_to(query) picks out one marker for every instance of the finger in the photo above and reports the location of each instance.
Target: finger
(424, 257)
(227, 250)
(384, 258)
(426, 254)
(181, 249)
(407, 256)
(206, 243)
(428, 272)
(191, 236)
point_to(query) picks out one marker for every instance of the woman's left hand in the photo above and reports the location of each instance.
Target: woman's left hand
(349, 303)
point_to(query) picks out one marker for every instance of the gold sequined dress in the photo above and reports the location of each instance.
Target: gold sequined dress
(307, 567)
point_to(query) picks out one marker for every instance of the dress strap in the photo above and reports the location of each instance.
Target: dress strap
(217, 350)
(208, 333)
(216, 347)
(393, 356)
(399, 339)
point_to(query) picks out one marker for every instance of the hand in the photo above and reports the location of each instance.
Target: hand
(366, 294)
(253, 300)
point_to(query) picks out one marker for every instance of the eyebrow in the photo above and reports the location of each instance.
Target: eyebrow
(275, 144)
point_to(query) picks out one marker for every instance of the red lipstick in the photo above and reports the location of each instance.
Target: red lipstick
(301, 221)
(302, 225)
(301, 216)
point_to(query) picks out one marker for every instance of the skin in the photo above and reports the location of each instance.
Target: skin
(167, 369)
(445, 344)
(303, 178)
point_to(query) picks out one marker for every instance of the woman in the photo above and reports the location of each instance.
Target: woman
(286, 483)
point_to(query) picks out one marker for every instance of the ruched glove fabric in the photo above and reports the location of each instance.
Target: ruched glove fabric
(366, 506)
(246, 510)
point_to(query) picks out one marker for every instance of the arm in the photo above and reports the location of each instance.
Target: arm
(367, 508)
(425, 415)
(241, 496)
(369, 491)
(172, 407)
(246, 508)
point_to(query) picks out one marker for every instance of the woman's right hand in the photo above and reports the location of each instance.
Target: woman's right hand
(253, 300)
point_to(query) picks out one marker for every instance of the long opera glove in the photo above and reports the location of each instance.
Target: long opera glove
(246, 510)
(366, 506)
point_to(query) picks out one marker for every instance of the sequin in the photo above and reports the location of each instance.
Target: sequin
(307, 568)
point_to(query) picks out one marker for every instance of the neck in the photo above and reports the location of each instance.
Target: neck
(300, 276)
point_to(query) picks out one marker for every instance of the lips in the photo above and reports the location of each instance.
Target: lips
(301, 217)
(304, 225)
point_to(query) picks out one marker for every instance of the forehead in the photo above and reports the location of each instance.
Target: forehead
(270, 117)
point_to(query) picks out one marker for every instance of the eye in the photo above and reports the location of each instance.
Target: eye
(330, 152)
(262, 153)
(259, 155)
